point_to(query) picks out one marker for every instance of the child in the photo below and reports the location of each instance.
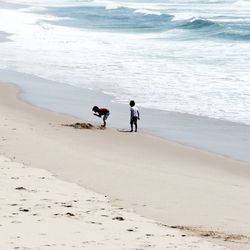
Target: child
(134, 115)
(101, 112)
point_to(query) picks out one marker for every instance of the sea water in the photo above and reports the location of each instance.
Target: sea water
(187, 56)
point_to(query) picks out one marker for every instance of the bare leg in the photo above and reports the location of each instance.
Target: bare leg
(104, 124)
(135, 125)
(131, 125)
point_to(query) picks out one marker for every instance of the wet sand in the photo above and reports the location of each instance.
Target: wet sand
(212, 135)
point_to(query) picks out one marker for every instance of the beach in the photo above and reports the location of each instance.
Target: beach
(181, 182)
(213, 135)
(172, 185)
(42, 212)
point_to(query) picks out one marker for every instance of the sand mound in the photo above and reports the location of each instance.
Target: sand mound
(79, 125)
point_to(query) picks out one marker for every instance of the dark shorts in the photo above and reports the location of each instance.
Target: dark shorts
(133, 120)
(105, 117)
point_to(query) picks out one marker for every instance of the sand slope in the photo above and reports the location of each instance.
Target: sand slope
(170, 183)
(39, 211)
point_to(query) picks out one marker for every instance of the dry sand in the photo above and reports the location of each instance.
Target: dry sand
(38, 211)
(201, 193)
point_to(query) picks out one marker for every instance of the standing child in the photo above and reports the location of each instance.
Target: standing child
(101, 112)
(134, 115)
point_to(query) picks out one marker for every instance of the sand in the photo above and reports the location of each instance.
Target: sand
(212, 135)
(202, 193)
(42, 212)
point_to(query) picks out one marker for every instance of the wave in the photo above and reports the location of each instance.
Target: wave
(110, 5)
(148, 12)
(183, 16)
(116, 19)
(111, 17)
(235, 35)
(198, 23)
(203, 28)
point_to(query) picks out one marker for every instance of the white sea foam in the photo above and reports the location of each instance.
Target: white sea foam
(242, 4)
(183, 16)
(109, 5)
(50, 3)
(148, 12)
(142, 7)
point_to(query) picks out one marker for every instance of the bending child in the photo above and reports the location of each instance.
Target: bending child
(101, 112)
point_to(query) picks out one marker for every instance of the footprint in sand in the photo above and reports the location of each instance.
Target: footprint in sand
(21, 188)
(24, 210)
(70, 214)
(64, 204)
(16, 222)
(104, 215)
(119, 218)
(96, 223)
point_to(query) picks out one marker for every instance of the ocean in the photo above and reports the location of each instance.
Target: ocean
(186, 56)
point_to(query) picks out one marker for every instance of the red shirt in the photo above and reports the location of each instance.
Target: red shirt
(103, 111)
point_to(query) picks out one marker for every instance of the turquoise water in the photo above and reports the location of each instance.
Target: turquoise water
(128, 19)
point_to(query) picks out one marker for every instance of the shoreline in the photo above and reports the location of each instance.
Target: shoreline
(216, 136)
(4, 37)
(170, 183)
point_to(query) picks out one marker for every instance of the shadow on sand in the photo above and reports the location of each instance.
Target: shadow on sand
(123, 130)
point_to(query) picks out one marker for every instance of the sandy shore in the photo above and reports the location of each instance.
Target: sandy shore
(212, 135)
(38, 211)
(203, 193)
